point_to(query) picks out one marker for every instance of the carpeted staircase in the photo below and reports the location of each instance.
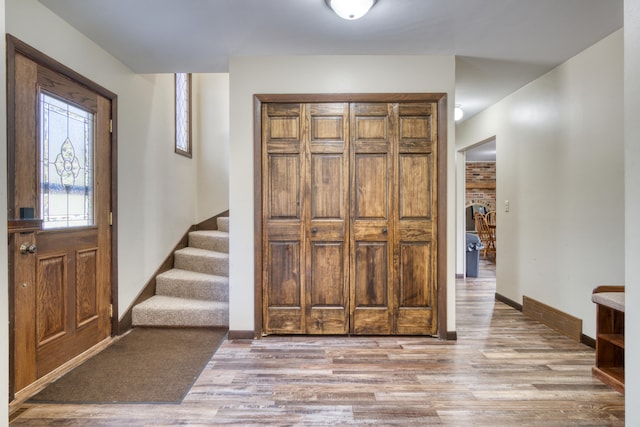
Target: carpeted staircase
(196, 291)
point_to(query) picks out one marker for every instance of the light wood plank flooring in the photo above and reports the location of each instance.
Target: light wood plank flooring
(504, 370)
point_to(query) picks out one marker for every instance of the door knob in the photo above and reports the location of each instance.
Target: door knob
(314, 230)
(27, 248)
(384, 230)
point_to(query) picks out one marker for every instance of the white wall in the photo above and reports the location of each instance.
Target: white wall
(632, 199)
(211, 136)
(560, 165)
(157, 189)
(315, 74)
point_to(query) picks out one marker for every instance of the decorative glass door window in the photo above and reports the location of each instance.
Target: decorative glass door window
(66, 164)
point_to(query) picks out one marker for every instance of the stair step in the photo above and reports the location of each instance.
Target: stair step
(212, 240)
(223, 223)
(162, 310)
(195, 293)
(202, 261)
(192, 285)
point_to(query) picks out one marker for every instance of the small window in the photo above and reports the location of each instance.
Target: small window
(183, 114)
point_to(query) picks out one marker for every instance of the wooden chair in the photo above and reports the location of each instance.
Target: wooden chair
(491, 222)
(491, 217)
(485, 235)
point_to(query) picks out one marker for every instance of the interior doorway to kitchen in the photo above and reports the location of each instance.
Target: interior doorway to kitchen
(481, 216)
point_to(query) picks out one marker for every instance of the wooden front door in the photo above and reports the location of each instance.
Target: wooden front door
(349, 218)
(59, 207)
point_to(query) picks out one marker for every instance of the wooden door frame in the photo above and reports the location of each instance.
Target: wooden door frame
(15, 46)
(440, 98)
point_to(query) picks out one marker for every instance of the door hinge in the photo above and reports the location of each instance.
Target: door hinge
(110, 126)
(110, 310)
(110, 218)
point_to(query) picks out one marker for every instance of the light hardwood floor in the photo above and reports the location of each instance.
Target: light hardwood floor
(504, 370)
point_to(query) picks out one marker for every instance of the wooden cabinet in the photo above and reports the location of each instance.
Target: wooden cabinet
(349, 218)
(609, 365)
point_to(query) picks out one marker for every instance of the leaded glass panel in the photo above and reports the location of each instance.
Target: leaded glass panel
(66, 164)
(183, 126)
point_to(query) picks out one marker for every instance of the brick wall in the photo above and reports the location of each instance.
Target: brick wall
(484, 175)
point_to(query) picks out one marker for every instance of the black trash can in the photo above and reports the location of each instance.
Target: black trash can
(474, 246)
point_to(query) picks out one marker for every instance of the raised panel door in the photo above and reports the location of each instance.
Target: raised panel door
(283, 166)
(349, 218)
(305, 221)
(60, 179)
(372, 206)
(326, 227)
(416, 234)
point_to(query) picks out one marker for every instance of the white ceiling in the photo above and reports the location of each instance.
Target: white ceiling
(500, 45)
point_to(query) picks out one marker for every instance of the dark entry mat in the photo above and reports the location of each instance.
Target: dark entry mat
(148, 365)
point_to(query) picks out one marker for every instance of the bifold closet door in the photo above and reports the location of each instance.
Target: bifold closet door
(415, 228)
(372, 207)
(349, 225)
(393, 228)
(305, 200)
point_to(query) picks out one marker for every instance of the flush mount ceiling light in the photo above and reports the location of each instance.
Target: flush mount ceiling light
(350, 9)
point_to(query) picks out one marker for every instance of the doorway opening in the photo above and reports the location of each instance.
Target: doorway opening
(329, 165)
(480, 217)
